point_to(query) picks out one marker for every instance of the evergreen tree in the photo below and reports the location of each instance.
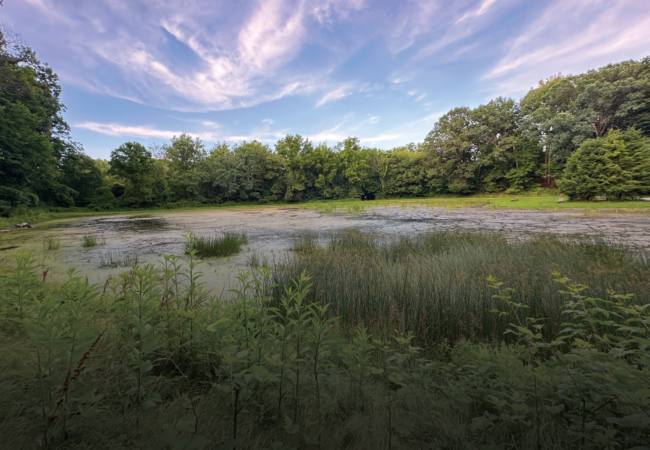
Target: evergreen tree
(616, 166)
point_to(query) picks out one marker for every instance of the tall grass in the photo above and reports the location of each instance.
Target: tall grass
(117, 259)
(149, 359)
(433, 284)
(220, 244)
(52, 243)
(92, 240)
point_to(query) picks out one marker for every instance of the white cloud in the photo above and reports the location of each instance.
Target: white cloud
(336, 94)
(235, 53)
(262, 134)
(381, 138)
(572, 37)
(485, 6)
(114, 129)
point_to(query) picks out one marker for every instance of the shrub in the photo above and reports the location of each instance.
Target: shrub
(616, 166)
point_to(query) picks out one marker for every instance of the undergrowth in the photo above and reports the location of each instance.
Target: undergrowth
(150, 359)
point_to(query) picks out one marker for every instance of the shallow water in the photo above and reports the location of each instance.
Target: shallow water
(270, 232)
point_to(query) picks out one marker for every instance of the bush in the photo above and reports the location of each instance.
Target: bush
(616, 167)
(103, 199)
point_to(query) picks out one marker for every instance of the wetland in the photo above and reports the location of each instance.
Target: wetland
(272, 231)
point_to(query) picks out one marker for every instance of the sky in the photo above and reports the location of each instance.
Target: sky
(383, 70)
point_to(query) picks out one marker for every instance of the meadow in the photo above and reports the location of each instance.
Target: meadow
(325, 350)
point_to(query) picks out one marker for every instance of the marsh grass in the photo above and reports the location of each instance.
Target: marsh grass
(432, 284)
(305, 242)
(52, 243)
(92, 240)
(149, 359)
(220, 244)
(257, 260)
(117, 259)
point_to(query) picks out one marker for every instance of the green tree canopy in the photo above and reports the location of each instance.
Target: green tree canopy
(134, 163)
(616, 166)
(33, 135)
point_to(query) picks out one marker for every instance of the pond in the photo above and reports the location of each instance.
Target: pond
(124, 239)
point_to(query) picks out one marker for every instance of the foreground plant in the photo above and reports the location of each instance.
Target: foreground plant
(152, 360)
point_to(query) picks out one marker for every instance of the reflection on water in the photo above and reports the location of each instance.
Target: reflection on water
(135, 225)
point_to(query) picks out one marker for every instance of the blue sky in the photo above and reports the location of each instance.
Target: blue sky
(384, 71)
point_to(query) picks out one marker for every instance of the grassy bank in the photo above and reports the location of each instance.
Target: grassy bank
(150, 360)
(37, 215)
(505, 202)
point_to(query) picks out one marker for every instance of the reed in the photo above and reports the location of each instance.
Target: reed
(92, 240)
(52, 243)
(220, 244)
(433, 284)
(117, 259)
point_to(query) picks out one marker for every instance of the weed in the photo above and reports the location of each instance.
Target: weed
(222, 244)
(52, 244)
(116, 259)
(92, 240)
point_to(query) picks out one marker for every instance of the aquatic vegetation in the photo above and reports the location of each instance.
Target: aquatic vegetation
(220, 244)
(305, 242)
(257, 260)
(117, 259)
(432, 284)
(92, 240)
(357, 206)
(149, 359)
(52, 243)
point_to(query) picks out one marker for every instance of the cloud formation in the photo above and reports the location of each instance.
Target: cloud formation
(115, 129)
(234, 64)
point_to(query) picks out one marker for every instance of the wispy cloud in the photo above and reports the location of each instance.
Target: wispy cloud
(336, 94)
(262, 133)
(115, 129)
(571, 37)
(293, 60)
(482, 9)
(182, 56)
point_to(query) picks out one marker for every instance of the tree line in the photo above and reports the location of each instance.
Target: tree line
(588, 133)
